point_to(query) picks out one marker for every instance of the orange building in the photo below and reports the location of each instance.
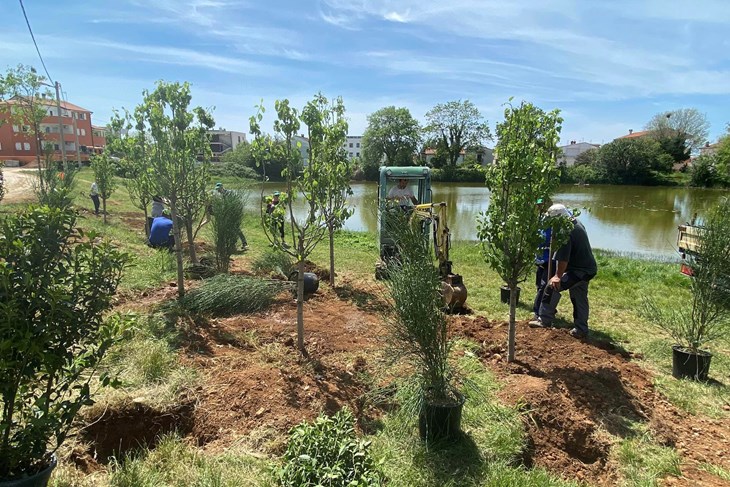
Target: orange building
(79, 137)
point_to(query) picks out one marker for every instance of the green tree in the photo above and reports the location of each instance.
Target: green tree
(392, 134)
(226, 219)
(703, 172)
(327, 129)
(525, 171)
(723, 157)
(128, 141)
(178, 135)
(629, 161)
(458, 125)
(307, 228)
(24, 100)
(104, 169)
(686, 124)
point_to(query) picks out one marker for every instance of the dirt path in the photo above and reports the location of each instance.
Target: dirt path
(18, 185)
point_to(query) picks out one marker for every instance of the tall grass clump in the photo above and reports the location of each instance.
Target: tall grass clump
(327, 453)
(226, 218)
(274, 262)
(225, 295)
(417, 324)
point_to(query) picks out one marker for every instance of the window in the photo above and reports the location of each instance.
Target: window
(16, 128)
(18, 146)
(350, 147)
(50, 112)
(1, 147)
(358, 145)
(350, 154)
(358, 154)
(83, 131)
(26, 146)
(82, 116)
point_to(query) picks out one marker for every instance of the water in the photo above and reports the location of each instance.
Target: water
(633, 219)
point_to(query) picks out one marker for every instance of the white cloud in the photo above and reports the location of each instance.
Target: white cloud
(396, 17)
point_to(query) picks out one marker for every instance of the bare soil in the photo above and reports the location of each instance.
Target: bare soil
(18, 185)
(572, 392)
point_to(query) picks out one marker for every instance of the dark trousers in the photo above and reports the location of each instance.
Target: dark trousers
(95, 199)
(541, 279)
(578, 288)
(169, 245)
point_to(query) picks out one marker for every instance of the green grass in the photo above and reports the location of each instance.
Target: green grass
(175, 463)
(723, 473)
(643, 462)
(486, 454)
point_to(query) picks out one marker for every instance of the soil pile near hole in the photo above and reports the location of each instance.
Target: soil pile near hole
(573, 391)
(254, 378)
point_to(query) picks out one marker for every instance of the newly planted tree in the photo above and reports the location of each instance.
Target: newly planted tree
(525, 171)
(307, 228)
(456, 126)
(178, 135)
(327, 129)
(104, 170)
(128, 141)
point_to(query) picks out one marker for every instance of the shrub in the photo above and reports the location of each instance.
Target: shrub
(274, 262)
(227, 216)
(459, 174)
(225, 295)
(2, 182)
(327, 453)
(55, 286)
(704, 172)
(53, 187)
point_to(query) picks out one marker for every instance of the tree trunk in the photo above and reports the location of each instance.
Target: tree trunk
(331, 232)
(178, 252)
(511, 332)
(191, 241)
(146, 222)
(103, 209)
(300, 302)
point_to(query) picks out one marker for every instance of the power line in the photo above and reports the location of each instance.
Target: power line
(34, 42)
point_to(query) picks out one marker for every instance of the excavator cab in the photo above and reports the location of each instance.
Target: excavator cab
(408, 189)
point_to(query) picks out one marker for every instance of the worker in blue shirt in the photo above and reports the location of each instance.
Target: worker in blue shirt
(161, 232)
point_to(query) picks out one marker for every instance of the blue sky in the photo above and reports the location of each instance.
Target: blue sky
(608, 65)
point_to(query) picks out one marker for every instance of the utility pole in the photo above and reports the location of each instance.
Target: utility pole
(62, 141)
(76, 132)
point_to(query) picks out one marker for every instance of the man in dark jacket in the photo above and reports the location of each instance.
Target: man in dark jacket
(576, 266)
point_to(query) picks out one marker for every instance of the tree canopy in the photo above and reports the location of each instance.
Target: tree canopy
(392, 134)
(685, 124)
(458, 125)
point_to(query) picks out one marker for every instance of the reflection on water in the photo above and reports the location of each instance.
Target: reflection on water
(624, 218)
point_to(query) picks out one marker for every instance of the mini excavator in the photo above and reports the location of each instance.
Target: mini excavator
(434, 222)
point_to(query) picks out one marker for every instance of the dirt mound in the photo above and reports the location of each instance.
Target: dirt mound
(255, 378)
(574, 391)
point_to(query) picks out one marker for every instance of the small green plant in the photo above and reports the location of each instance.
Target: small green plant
(328, 453)
(55, 286)
(2, 182)
(104, 169)
(706, 317)
(274, 262)
(226, 217)
(225, 295)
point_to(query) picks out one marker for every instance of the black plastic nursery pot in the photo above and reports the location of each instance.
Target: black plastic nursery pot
(689, 365)
(439, 422)
(38, 480)
(504, 294)
(311, 281)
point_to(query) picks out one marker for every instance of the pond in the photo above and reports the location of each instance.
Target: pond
(635, 219)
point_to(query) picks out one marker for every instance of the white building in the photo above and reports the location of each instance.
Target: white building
(302, 143)
(709, 149)
(571, 151)
(222, 141)
(353, 146)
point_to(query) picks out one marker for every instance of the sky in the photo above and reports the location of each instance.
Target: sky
(609, 66)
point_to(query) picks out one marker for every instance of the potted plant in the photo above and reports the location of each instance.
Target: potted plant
(418, 330)
(705, 316)
(55, 285)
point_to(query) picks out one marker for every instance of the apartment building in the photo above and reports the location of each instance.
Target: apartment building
(223, 141)
(353, 146)
(75, 132)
